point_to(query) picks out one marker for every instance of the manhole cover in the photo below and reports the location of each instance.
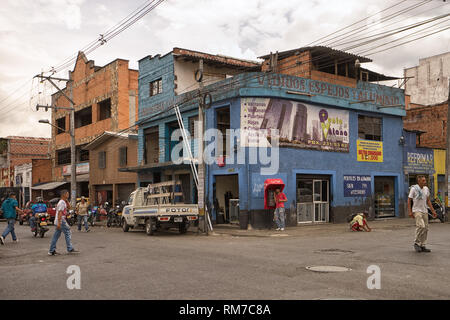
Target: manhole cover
(327, 269)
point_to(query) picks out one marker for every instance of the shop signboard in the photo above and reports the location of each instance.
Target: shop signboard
(369, 151)
(81, 168)
(357, 186)
(419, 160)
(299, 124)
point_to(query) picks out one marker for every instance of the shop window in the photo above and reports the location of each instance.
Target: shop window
(61, 124)
(63, 156)
(370, 128)
(155, 87)
(104, 109)
(102, 160)
(123, 152)
(83, 117)
(223, 125)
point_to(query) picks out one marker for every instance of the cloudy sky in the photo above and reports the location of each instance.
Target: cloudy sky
(38, 34)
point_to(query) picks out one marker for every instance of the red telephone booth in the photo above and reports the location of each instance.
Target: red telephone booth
(269, 189)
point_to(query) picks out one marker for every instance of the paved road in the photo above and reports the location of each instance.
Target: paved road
(117, 265)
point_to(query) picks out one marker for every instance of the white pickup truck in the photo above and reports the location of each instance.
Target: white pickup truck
(159, 206)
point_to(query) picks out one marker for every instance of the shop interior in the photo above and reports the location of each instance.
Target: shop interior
(226, 199)
(384, 197)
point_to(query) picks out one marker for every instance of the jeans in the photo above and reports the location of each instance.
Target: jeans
(67, 234)
(279, 217)
(85, 219)
(32, 222)
(10, 228)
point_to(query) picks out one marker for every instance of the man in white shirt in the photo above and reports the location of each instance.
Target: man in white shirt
(419, 197)
(61, 225)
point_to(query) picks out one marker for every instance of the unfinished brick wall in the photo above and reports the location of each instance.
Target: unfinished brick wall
(432, 120)
(41, 171)
(92, 85)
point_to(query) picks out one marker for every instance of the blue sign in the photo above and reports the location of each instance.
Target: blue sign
(418, 160)
(357, 186)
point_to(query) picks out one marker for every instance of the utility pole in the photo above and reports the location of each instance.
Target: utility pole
(73, 174)
(447, 149)
(201, 164)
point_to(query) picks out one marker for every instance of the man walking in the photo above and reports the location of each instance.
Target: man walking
(419, 197)
(62, 225)
(82, 213)
(9, 207)
(280, 199)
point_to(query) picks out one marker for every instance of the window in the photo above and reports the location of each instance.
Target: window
(81, 155)
(151, 145)
(104, 109)
(369, 128)
(63, 156)
(102, 160)
(61, 124)
(83, 117)
(223, 124)
(192, 121)
(123, 156)
(155, 87)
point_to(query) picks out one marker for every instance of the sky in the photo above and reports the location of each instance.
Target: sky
(38, 34)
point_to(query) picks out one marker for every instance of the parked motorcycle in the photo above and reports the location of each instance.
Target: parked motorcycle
(114, 215)
(92, 215)
(41, 224)
(440, 211)
(71, 218)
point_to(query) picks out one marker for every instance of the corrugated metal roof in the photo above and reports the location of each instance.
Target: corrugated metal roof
(321, 50)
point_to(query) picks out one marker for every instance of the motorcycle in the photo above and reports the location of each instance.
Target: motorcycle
(92, 215)
(41, 224)
(71, 217)
(114, 215)
(440, 211)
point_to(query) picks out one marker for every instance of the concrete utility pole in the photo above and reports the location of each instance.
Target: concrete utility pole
(73, 174)
(201, 164)
(447, 149)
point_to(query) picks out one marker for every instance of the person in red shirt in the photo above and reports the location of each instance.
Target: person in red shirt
(280, 199)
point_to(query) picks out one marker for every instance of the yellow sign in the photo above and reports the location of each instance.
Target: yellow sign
(369, 151)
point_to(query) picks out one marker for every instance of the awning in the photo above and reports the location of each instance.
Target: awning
(48, 186)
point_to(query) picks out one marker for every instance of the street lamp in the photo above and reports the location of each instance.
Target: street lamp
(73, 180)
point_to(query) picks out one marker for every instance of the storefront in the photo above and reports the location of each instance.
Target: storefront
(439, 175)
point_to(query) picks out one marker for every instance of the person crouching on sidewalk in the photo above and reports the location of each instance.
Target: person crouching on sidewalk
(359, 223)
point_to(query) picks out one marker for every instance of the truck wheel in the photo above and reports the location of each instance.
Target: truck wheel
(182, 228)
(125, 226)
(149, 227)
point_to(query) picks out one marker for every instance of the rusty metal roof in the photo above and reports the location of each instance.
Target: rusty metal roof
(216, 59)
(321, 50)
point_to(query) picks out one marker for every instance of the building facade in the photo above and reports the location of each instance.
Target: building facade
(108, 153)
(106, 99)
(339, 136)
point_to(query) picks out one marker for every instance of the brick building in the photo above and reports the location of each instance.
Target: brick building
(106, 99)
(426, 95)
(108, 153)
(16, 151)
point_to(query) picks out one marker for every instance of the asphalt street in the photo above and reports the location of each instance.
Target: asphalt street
(118, 265)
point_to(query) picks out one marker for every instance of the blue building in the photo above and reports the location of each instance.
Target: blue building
(340, 147)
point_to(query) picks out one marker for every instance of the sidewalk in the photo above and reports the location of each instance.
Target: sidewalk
(312, 229)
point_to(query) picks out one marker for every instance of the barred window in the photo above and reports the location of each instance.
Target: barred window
(370, 128)
(102, 160)
(123, 156)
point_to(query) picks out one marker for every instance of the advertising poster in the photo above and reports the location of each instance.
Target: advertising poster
(357, 186)
(299, 124)
(369, 151)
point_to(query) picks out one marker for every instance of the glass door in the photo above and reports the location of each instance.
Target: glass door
(305, 205)
(321, 200)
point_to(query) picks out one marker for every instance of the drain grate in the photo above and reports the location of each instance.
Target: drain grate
(333, 251)
(328, 269)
